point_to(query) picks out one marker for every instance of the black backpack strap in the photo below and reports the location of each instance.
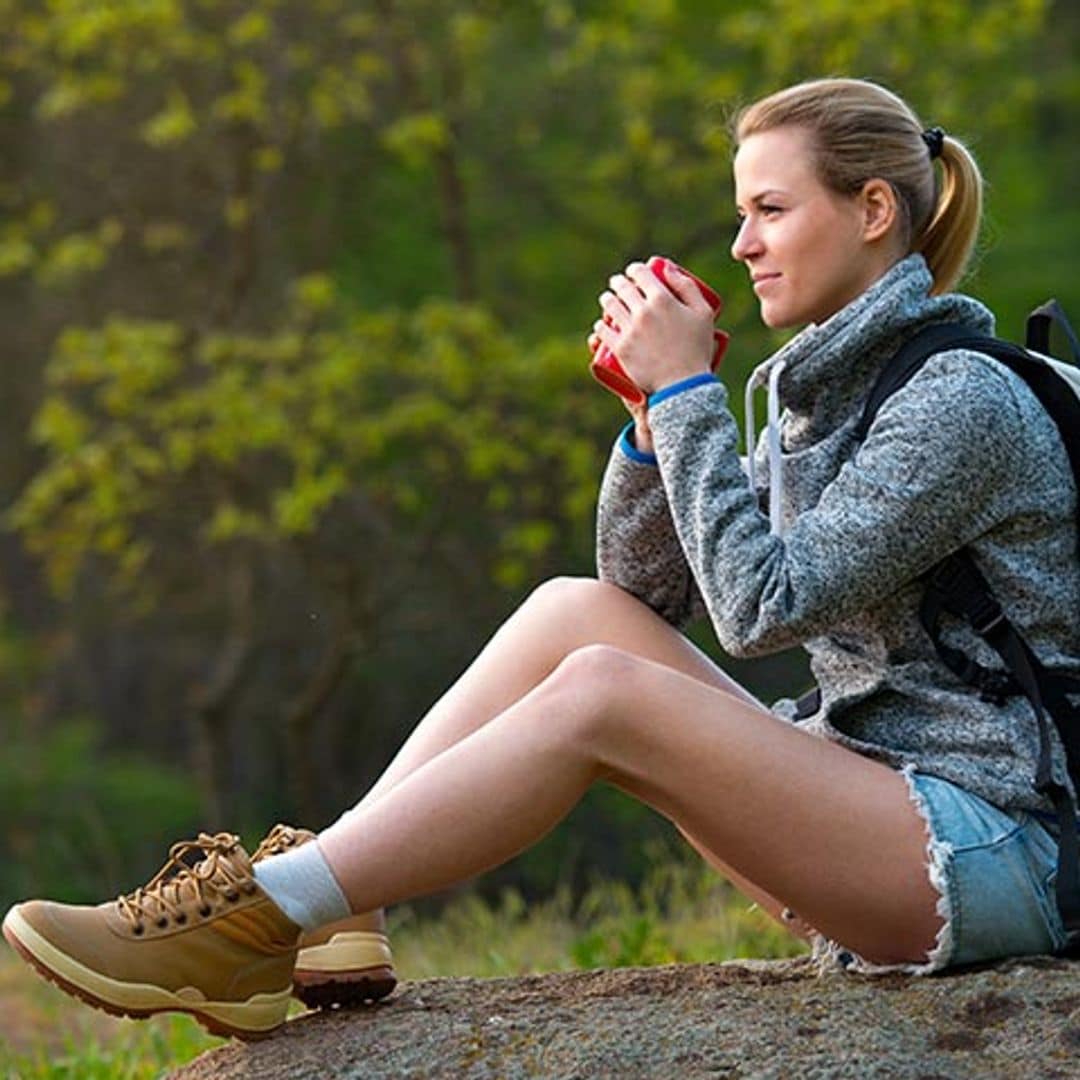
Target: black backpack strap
(1038, 329)
(1054, 396)
(957, 586)
(905, 364)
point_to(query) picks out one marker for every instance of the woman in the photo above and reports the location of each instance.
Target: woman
(873, 819)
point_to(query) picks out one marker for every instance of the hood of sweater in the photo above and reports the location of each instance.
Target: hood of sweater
(830, 367)
(823, 374)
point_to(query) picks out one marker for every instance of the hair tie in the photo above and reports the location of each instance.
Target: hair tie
(935, 139)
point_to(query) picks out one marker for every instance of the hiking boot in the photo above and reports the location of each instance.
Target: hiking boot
(200, 937)
(342, 963)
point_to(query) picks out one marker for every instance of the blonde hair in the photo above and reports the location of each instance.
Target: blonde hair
(862, 131)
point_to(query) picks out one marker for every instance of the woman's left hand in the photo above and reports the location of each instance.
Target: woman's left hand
(661, 334)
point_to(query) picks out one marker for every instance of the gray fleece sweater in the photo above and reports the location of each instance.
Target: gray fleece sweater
(963, 455)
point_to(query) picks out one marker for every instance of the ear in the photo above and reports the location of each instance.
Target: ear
(879, 209)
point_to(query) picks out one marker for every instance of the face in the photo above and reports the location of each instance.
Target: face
(809, 251)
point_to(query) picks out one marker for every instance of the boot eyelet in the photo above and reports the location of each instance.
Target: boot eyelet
(232, 897)
(206, 911)
(181, 919)
(162, 923)
(138, 930)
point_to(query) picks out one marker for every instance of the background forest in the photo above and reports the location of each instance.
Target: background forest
(294, 397)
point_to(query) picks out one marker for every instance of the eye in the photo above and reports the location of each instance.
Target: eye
(770, 210)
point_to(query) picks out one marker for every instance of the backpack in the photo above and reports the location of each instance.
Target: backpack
(955, 585)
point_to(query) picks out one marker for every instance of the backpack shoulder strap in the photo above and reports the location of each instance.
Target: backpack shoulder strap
(956, 586)
(906, 363)
(1054, 393)
(1038, 329)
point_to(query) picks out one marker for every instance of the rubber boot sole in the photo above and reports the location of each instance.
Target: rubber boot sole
(255, 1018)
(352, 968)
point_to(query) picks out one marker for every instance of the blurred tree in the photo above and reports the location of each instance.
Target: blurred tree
(345, 458)
(295, 296)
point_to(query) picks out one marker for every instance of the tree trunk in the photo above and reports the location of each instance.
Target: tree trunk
(211, 703)
(302, 712)
(454, 210)
(449, 181)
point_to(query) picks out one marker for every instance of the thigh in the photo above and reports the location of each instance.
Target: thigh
(789, 919)
(827, 832)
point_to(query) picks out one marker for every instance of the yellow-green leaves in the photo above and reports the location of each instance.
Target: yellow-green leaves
(417, 138)
(173, 124)
(258, 437)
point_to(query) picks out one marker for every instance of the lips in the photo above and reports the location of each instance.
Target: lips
(760, 281)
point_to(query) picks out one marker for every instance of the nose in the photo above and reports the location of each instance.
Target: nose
(746, 242)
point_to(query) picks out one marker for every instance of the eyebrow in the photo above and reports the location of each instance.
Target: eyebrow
(763, 196)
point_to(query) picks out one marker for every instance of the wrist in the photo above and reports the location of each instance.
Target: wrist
(642, 437)
(679, 386)
(630, 447)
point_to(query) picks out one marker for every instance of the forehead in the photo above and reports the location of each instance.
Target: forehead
(777, 160)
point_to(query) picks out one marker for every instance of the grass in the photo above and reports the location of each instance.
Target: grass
(682, 913)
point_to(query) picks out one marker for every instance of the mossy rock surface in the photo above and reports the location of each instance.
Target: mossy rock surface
(740, 1019)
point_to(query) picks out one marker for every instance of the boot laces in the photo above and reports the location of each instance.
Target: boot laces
(279, 839)
(180, 884)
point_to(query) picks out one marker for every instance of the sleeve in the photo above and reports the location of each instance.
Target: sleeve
(637, 547)
(934, 472)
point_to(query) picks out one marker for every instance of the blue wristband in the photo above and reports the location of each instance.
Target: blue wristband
(681, 386)
(626, 444)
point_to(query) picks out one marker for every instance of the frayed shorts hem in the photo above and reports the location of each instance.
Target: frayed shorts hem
(994, 872)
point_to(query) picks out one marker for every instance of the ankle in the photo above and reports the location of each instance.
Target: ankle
(302, 884)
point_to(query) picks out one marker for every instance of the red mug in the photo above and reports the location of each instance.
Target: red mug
(605, 365)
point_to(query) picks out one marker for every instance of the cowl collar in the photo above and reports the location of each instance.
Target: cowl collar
(828, 368)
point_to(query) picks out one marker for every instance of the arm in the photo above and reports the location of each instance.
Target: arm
(935, 472)
(636, 544)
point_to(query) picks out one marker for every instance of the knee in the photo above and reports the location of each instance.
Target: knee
(591, 702)
(594, 681)
(598, 663)
(564, 594)
(578, 608)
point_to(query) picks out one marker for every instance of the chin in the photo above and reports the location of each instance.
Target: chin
(777, 319)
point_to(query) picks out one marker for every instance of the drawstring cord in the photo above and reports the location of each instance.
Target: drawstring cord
(770, 372)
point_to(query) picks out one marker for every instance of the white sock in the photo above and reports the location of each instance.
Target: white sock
(302, 884)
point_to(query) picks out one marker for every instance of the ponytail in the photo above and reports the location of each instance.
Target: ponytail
(949, 236)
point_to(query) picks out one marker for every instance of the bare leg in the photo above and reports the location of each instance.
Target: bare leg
(560, 616)
(832, 834)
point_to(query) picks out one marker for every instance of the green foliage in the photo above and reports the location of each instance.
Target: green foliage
(125, 805)
(124, 1050)
(263, 435)
(505, 115)
(681, 913)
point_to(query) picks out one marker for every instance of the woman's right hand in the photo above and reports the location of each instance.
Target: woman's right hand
(642, 431)
(640, 413)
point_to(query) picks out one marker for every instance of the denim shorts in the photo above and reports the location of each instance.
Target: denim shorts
(995, 872)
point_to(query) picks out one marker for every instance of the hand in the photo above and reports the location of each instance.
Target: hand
(642, 431)
(662, 334)
(639, 410)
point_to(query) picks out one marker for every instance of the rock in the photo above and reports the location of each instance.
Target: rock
(760, 1019)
